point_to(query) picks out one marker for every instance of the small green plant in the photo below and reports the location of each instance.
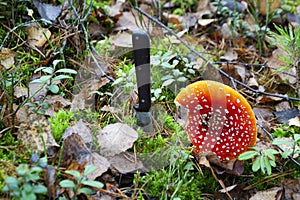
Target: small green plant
(51, 81)
(53, 76)
(60, 122)
(81, 184)
(169, 73)
(293, 145)
(289, 41)
(179, 180)
(25, 185)
(261, 26)
(264, 159)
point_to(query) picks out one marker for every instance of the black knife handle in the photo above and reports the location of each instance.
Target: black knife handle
(141, 54)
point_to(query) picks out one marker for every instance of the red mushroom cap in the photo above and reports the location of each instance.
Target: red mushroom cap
(219, 119)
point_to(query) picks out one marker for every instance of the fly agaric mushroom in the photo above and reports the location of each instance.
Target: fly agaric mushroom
(219, 119)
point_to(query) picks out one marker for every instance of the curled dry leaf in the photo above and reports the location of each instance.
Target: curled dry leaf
(116, 138)
(75, 154)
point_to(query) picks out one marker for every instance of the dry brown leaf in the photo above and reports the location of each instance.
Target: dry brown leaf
(82, 130)
(262, 99)
(7, 58)
(75, 154)
(20, 92)
(275, 193)
(126, 163)
(122, 39)
(275, 61)
(230, 55)
(34, 132)
(116, 138)
(294, 121)
(102, 165)
(37, 37)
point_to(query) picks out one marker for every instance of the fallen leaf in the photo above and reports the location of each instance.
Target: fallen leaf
(205, 22)
(262, 99)
(7, 58)
(116, 138)
(35, 131)
(75, 154)
(284, 116)
(294, 121)
(37, 37)
(230, 55)
(126, 163)
(275, 193)
(37, 91)
(102, 165)
(275, 61)
(82, 130)
(122, 39)
(20, 92)
(130, 21)
(114, 11)
(47, 11)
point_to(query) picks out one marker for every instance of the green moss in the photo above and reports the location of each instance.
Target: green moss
(60, 122)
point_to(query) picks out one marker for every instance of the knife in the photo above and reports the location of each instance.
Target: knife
(141, 55)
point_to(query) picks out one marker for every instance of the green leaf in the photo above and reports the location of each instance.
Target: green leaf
(43, 79)
(297, 137)
(256, 165)
(48, 70)
(117, 81)
(22, 169)
(166, 77)
(55, 62)
(287, 153)
(96, 184)
(248, 155)
(67, 184)
(267, 165)
(68, 71)
(282, 142)
(85, 191)
(89, 169)
(41, 112)
(74, 173)
(27, 188)
(182, 79)
(39, 189)
(39, 69)
(53, 88)
(270, 153)
(262, 164)
(61, 77)
(167, 82)
(272, 163)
